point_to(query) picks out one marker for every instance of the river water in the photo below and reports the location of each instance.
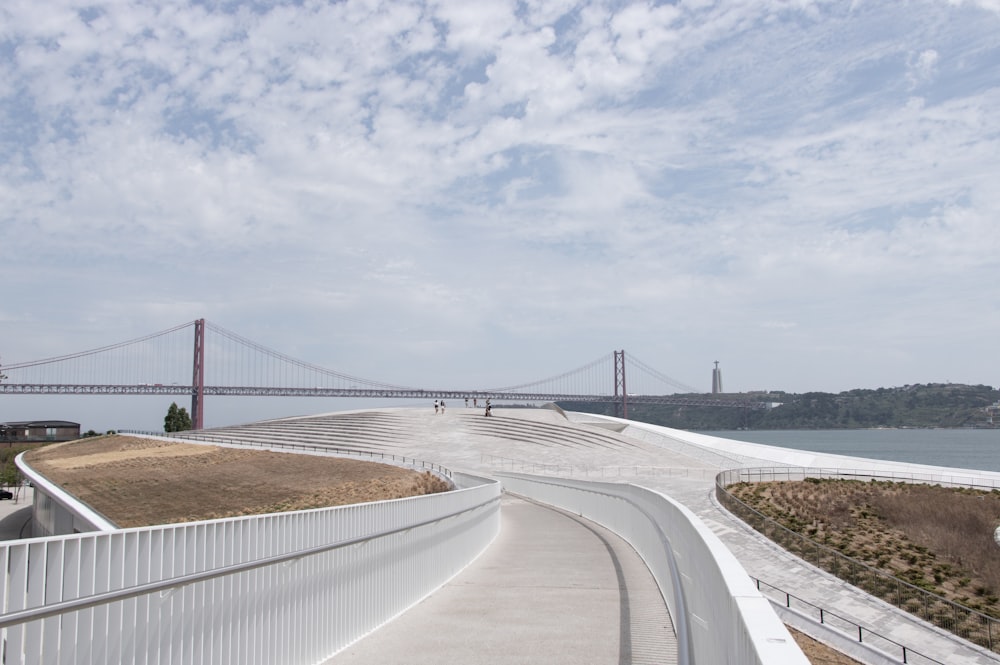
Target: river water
(960, 448)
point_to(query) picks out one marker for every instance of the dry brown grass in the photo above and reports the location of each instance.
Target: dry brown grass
(140, 482)
(818, 653)
(936, 538)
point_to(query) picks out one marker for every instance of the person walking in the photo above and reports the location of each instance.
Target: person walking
(435, 406)
(442, 406)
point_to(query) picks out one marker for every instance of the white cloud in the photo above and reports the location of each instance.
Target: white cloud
(923, 67)
(989, 5)
(490, 190)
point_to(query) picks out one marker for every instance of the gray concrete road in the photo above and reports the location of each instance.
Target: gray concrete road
(15, 514)
(552, 589)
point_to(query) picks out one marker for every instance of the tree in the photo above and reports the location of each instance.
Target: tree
(9, 473)
(177, 419)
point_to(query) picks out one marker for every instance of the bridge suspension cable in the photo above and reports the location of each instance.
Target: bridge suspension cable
(91, 352)
(160, 364)
(598, 378)
(586, 371)
(309, 373)
(638, 364)
(154, 359)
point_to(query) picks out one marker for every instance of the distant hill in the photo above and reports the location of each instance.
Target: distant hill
(921, 405)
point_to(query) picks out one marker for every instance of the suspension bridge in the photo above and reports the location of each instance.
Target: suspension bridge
(200, 359)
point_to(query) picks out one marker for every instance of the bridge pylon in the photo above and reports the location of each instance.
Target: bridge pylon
(620, 406)
(198, 379)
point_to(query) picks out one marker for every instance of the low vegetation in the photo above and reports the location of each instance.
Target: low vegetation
(932, 538)
(918, 405)
(9, 475)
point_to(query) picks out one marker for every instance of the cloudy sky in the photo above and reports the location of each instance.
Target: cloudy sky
(461, 194)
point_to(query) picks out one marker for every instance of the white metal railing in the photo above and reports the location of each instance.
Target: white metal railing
(719, 615)
(310, 448)
(986, 481)
(280, 588)
(605, 472)
(58, 512)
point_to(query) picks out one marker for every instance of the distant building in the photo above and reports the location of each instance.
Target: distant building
(38, 431)
(716, 379)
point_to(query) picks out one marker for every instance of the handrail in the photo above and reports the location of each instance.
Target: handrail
(45, 611)
(679, 607)
(988, 482)
(211, 438)
(600, 472)
(700, 579)
(905, 651)
(849, 569)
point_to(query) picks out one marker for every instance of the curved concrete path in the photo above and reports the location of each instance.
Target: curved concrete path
(680, 464)
(553, 588)
(15, 515)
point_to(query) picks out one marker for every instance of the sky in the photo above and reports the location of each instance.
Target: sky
(461, 194)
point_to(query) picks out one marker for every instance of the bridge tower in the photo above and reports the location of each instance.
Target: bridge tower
(198, 380)
(622, 406)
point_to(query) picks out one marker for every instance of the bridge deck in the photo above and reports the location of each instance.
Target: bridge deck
(553, 588)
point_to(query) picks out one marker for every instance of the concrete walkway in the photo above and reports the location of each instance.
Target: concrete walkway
(553, 588)
(475, 611)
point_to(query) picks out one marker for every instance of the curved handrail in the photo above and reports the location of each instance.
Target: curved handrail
(368, 550)
(53, 609)
(279, 445)
(688, 560)
(823, 617)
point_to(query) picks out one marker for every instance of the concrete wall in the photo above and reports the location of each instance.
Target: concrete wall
(55, 511)
(39, 432)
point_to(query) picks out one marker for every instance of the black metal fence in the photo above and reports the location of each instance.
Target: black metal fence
(846, 626)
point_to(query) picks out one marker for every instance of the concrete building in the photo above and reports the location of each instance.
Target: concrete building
(38, 431)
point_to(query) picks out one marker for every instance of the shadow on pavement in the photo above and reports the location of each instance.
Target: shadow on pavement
(16, 525)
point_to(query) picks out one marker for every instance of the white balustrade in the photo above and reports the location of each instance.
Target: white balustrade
(719, 615)
(282, 588)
